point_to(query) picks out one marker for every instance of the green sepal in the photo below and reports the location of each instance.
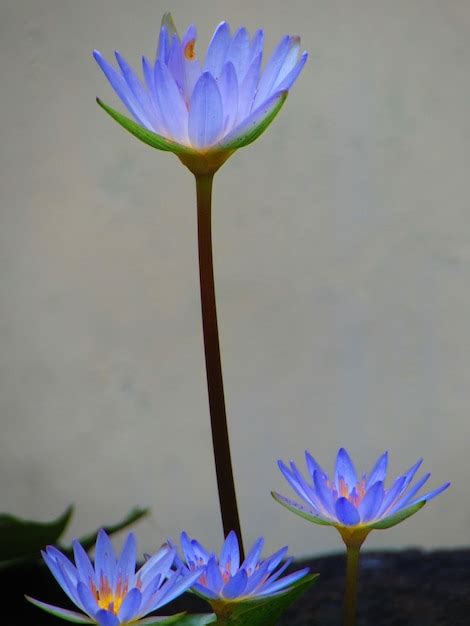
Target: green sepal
(145, 135)
(298, 511)
(63, 614)
(256, 131)
(393, 520)
(136, 514)
(180, 619)
(20, 538)
(263, 611)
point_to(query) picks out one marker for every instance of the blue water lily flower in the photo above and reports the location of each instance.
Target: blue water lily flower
(112, 592)
(224, 580)
(353, 504)
(206, 107)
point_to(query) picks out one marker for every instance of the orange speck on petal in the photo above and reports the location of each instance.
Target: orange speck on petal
(189, 50)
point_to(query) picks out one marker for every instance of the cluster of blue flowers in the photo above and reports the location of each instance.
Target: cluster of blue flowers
(199, 109)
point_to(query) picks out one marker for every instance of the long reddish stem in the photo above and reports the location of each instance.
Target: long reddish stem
(215, 385)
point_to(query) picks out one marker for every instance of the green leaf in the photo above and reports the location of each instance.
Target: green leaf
(393, 520)
(21, 538)
(180, 619)
(292, 506)
(145, 135)
(266, 611)
(136, 514)
(256, 131)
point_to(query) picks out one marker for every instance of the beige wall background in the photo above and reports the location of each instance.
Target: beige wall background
(342, 250)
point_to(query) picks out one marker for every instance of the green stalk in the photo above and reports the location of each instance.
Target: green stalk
(352, 570)
(215, 385)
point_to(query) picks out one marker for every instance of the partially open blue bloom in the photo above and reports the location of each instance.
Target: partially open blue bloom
(223, 579)
(217, 104)
(350, 502)
(112, 592)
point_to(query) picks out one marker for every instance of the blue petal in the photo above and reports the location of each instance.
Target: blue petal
(158, 565)
(294, 482)
(213, 576)
(230, 554)
(410, 474)
(130, 606)
(201, 553)
(253, 555)
(228, 88)
(379, 471)
(236, 585)
(126, 564)
(257, 43)
(238, 52)
(407, 498)
(253, 120)
(247, 90)
(172, 105)
(217, 50)
(135, 85)
(69, 616)
(84, 566)
(87, 599)
(283, 582)
(122, 90)
(105, 618)
(346, 512)
(274, 67)
(325, 497)
(291, 77)
(62, 578)
(257, 579)
(187, 548)
(181, 584)
(370, 505)
(345, 469)
(105, 558)
(313, 466)
(391, 495)
(431, 495)
(274, 560)
(205, 113)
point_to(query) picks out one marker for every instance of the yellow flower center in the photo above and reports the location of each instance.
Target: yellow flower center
(106, 598)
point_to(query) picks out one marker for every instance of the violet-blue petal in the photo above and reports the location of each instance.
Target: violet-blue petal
(217, 51)
(135, 85)
(228, 88)
(313, 465)
(122, 89)
(230, 555)
(253, 555)
(344, 468)
(257, 579)
(371, 502)
(379, 471)
(325, 496)
(254, 120)
(238, 52)
(187, 548)
(62, 578)
(274, 560)
(257, 44)
(213, 575)
(201, 553)
(283, 582)
(235, 585)
(247, 89)
(408, 497)
(431, 495)
(182, 584)
(273, 67)
(106, 618)
(292, 480)
(289, 63)
(291, 77)
(130, 606)
(82, 562)
(127, 560)
(171, 103)
(87, 599)
(205, 113)
(392, 495)
(410, 474)
(105, 558)
(346, 512)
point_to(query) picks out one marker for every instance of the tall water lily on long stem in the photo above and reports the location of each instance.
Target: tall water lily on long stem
(203, 111)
